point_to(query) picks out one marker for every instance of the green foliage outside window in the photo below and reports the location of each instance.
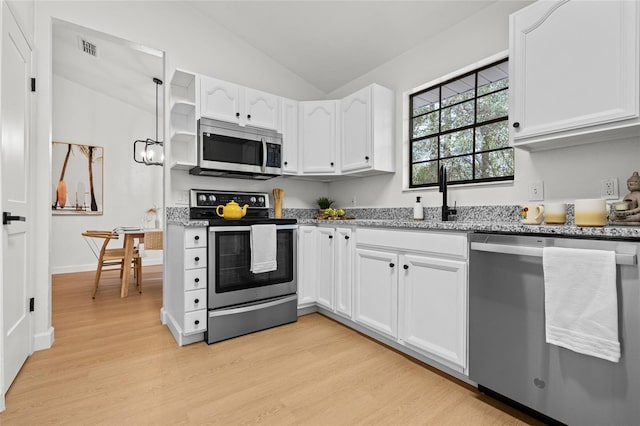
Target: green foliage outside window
(463, 125)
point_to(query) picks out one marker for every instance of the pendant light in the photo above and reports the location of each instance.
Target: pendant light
(150, 151)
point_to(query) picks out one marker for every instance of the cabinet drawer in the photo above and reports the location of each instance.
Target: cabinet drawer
(195, 237)
(195, 258)
(195, 322)
(195, 299)
(438, 243)
(195, 279)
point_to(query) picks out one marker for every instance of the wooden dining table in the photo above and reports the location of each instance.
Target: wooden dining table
(129, 244)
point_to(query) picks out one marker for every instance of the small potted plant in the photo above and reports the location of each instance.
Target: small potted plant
(324, 203)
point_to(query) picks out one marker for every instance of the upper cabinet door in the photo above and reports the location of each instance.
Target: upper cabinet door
(261, 109)
(289, 129)
(574, 72)
(318, 140)
(220, 100)
(356, 130)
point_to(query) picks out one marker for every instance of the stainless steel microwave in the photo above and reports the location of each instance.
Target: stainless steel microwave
(229, 150)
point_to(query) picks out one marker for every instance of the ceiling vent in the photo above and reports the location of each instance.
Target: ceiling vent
(88, 47)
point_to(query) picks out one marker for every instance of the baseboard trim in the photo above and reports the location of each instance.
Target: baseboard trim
(92, 267)
(42, 341)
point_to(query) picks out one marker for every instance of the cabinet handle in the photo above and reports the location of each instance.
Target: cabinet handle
(196, 259)
(330, 236)
(366, 158)
(248, 116)
(332, 164)
(516, 125)
(285, 163)
(196, 322)
(346, 237)
(197, 280)
(406, 266)
(391, 265)
(237, 115)
(197, 237)
(196, 301)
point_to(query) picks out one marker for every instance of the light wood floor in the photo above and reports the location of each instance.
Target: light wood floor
(114, 363)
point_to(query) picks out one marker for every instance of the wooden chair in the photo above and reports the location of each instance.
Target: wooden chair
(153, 240)
(110, 257)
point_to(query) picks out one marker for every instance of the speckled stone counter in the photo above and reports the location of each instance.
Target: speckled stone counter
(502, 219)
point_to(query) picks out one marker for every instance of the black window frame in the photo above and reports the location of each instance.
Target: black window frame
(472, 126)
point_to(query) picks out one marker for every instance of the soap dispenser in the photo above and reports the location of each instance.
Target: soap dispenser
(418, 212)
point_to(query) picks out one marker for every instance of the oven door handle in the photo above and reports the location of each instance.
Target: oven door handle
(252, 307)
(246, 228)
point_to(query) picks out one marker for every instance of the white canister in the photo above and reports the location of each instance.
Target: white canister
(591, 212)
(555, 213)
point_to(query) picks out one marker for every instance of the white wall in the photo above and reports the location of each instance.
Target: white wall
(568, 173)
(84, 116)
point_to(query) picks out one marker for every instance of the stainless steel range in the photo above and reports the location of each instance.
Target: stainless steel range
(240, 301)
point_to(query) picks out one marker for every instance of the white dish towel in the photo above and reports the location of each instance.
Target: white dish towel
(581, 301)
(263, 248)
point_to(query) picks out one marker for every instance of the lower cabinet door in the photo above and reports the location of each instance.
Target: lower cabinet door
(376, 290)
(195, 322)
(433, 307)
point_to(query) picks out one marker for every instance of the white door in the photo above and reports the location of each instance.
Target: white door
(307, 252)
(219, 100)
(325, 267)
(343, 265)
(261, 109)
(433, 307)
(356, 131)
(14, 119)
(376, 291)
(318, 136)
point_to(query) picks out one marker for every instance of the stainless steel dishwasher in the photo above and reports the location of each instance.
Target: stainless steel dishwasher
(508, 355)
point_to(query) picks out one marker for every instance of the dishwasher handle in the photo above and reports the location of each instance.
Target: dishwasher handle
(621, 258)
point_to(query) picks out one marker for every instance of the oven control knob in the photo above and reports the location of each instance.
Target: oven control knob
(261, 200)
(202, 197)
(212, 198)
(253, 200)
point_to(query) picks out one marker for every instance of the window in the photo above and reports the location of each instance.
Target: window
(462, 124)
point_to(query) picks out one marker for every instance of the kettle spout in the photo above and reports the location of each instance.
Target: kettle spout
(244, 209)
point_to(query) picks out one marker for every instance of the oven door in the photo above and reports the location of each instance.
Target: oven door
(231, 281)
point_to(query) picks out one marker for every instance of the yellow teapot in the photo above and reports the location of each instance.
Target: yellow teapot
(232, 211)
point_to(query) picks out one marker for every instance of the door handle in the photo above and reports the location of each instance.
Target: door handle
(7, 218)
(264, 155)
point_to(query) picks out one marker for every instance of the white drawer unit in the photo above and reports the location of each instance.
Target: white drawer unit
(185, 294)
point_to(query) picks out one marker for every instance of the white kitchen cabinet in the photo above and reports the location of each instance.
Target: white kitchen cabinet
(367, 131)
(574, 73)
(433, 306)
(325, 265)
(183, 138)
(376, 290)
(412, 286)
(343, 262)
(185, 290)
(318, 137)
(307, 265)
(222, 100)
(289, 130)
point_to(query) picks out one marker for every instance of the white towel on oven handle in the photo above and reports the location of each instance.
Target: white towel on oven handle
(581, 301)
(264, 248)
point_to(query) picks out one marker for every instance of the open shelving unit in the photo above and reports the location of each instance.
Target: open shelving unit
(183, 120)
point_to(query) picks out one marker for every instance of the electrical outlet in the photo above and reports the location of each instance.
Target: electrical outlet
(353, 201)
(183, 197)
(536, 191)
(609, 188)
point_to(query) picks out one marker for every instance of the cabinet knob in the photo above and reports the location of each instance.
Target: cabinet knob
(248, 116)
(332, 164)
(330, 236)
(346, 237)
(391, 265)
(406, 266)
(285, 163)
(197, 237)
(516, 125)
(196, 259)
(196, 322)
(366, 158)
(197, 280)
(196, 301)
(237, 115)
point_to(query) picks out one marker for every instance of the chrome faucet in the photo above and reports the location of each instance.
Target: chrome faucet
(446, 211)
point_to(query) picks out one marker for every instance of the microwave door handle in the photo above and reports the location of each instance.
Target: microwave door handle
(264, 155)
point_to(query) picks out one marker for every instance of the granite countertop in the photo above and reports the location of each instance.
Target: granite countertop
(626, 232)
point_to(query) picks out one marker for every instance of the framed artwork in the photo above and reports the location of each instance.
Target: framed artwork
(77, 179)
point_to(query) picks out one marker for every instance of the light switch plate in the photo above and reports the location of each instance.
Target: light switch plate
(536, 191)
